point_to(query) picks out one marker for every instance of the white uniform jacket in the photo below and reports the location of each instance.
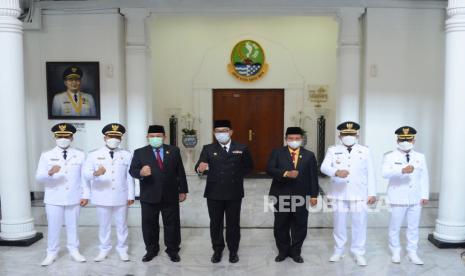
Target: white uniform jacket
(406, 189)
(66, 187)
(360, 183)
(116, 186)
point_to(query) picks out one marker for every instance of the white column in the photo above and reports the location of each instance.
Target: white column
(137, 55)
(17, 223)
(450, 225)
(349, 65)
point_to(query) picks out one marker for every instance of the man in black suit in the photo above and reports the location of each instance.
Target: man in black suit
(226, 163)
(295, 179)
(163, 185)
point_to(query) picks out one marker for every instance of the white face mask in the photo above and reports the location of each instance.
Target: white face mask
(222, 137)
(63, 142)
(112, 143)
(294, 144)
(405, 146)
(349, 140)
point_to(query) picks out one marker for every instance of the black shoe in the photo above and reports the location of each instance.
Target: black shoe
(233, 258)
(216, 258)
(149, 256)
(298, 259)
(280, 258)
(174, 257)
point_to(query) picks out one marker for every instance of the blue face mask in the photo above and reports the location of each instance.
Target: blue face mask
(156, 142)
(222, 137)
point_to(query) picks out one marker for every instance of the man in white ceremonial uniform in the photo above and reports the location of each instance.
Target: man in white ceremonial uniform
(352, 186)
(112, 189)
(407, 191)
(59, 170)
(73, 102)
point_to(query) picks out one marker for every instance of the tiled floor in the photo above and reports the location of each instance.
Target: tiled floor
(257, 250)
(257, 254)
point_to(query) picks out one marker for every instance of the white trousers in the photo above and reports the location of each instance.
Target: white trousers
(56, 214)
(105, 215)
(398, 214)
(358, 212)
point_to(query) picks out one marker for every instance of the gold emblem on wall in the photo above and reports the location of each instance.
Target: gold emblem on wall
(248, 61)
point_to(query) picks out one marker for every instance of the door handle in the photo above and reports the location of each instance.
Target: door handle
(250, 135)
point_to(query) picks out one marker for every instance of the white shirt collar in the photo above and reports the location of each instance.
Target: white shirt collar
(228, 145)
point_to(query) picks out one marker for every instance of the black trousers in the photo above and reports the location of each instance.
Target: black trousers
(151, 228)
(217, 210)
(290, 231)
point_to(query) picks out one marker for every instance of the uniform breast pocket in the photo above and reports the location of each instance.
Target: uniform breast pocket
(122, 164)
(339, 163)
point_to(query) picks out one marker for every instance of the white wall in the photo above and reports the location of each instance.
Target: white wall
(190, 54)
(73, 37)
(407, 47)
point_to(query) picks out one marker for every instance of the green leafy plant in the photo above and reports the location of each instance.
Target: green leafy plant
(187, 131)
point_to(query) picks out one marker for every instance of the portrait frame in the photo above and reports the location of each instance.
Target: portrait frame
(60, 106)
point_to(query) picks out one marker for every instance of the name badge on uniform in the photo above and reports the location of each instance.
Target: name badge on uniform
(101, 158)
(54, 159)
(237, 152)
(398, 163)
(338, 153)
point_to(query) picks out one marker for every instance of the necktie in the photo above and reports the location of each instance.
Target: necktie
(159, 161)
(349, 149)
(111, 154)
(293, 157)
(407, 156)
(75, 97)
(65, 154)
(225, 148)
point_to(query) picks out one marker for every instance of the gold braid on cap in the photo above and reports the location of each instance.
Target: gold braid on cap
(114, 130)
(62, 130)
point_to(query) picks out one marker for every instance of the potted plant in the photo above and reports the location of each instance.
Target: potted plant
(189, 134)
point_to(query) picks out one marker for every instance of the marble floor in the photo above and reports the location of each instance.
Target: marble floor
(257, 250)
(257, 254)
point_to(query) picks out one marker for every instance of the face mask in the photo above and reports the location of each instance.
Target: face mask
(405, 146)
(349, 140)
(294, 144)
(156, 142)
(113, 143)
(222, 137)
(63, 142)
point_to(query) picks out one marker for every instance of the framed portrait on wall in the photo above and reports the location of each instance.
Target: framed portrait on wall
(73, 90)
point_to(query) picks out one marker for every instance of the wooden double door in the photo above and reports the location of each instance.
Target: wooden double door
(257, 118)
